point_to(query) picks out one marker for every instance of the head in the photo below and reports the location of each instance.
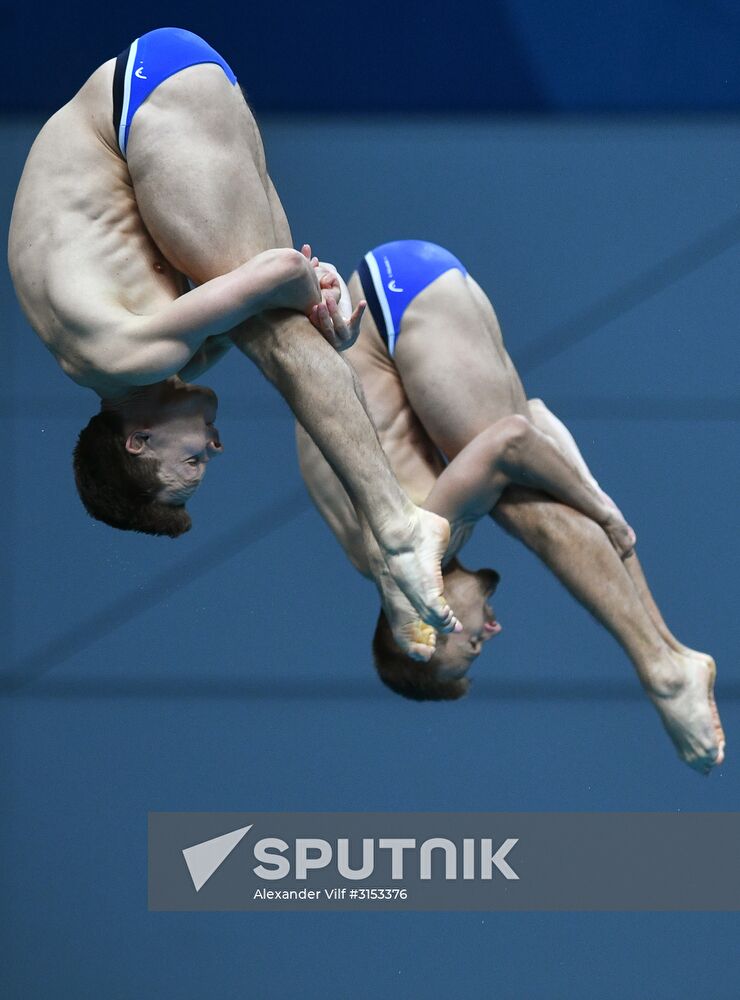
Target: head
(445, 675)
(142, 457)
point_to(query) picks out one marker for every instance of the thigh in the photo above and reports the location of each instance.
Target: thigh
(194, 156)
(455, 371)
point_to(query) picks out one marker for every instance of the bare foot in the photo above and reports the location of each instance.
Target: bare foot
(412, 635)
(685, 702)
(415, 563)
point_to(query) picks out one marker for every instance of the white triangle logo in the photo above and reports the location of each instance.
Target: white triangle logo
(203, 859)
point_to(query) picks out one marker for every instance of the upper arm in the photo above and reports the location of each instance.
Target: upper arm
(222, 303)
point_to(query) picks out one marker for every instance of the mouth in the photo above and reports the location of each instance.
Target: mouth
(491, 626)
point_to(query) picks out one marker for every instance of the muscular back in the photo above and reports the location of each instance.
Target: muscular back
(82, 259)
(80, 256)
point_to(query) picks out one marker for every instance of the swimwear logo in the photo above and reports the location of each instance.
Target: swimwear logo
(140, 73)
(389, 272)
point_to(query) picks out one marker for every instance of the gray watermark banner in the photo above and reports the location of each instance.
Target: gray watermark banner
(444, 861)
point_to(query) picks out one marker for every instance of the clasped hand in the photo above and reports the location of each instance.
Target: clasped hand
(333, 316)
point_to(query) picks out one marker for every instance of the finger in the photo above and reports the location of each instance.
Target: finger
(314, 318)
(326, 327)
(320, 319)
(306, 251)
(341, 330)
(358, 313)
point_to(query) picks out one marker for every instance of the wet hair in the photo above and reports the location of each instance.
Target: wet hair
(408, 677)
(119, 488)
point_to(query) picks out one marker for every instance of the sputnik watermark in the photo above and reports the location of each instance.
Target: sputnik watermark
(278, 859)
(443, 861)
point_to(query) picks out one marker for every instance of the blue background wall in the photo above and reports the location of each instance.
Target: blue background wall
(503, 55)
(230, 669)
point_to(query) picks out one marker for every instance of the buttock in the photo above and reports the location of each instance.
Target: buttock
(149, 61)
(393, 274)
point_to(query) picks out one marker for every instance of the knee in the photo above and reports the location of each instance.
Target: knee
(514, 432)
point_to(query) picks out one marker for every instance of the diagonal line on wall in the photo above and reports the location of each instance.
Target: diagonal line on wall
(632, 294)
(100, 624)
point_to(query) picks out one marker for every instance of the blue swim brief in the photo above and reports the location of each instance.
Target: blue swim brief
(393, 274)
(149, 61)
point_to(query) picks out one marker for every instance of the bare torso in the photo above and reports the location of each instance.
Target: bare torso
(79, 252)
(81, 257)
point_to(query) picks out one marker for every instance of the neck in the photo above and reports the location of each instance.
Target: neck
(136, 402)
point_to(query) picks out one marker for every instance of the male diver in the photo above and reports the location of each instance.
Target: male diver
(146, 238)
(440, 387)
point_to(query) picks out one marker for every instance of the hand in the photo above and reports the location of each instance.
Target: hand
(328, 320)
(333, 316)
(330, 284)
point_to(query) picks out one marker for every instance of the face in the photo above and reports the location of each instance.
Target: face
(468, 593)
(180, 433)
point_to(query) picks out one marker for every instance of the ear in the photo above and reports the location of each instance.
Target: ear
(495, 579)
(136, 442)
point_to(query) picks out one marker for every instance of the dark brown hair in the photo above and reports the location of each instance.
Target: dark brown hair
(119, 488)
(408, 677)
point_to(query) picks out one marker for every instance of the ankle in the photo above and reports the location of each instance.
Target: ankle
(397, 534)
(663, 677)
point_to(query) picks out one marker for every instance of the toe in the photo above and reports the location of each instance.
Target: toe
(447, 621)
